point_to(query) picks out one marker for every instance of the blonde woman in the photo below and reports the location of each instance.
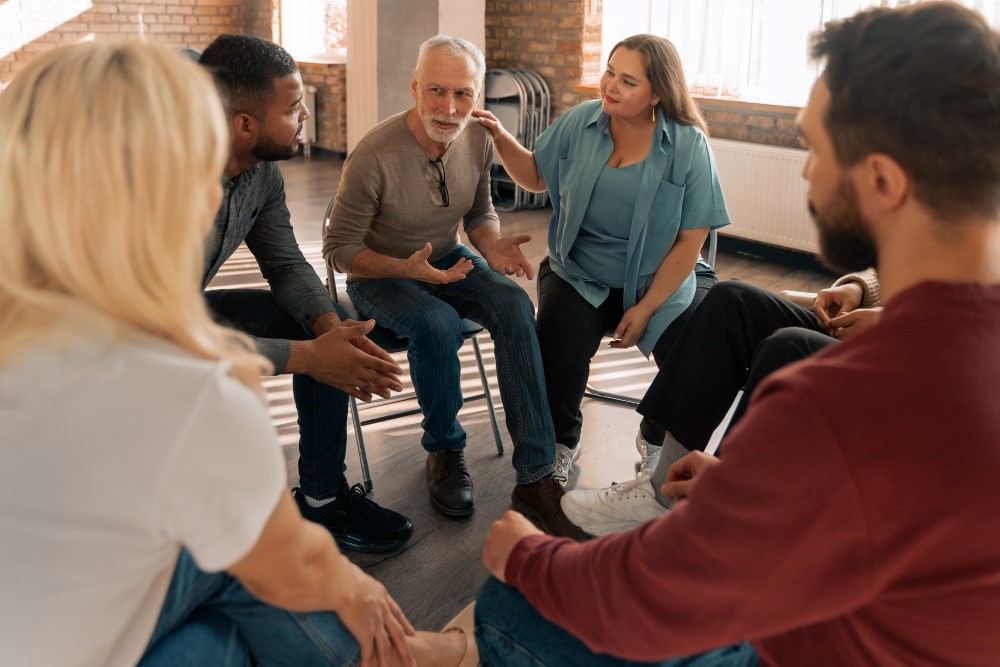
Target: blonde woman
(143, 509)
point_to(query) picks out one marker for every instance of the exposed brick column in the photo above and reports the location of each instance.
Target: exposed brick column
(262, 19)
(547, 37)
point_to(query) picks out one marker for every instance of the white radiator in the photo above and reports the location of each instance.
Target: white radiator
(765, 193)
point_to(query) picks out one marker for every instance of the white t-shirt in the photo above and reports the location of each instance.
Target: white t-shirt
(114, 454)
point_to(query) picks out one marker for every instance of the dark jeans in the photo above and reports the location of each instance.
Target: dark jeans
(570, 332)
(739, 335)
(430, 317)
(510, 633)
(208, 618)
(322, 410)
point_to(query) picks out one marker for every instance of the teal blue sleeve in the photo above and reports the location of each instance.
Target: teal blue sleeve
(704, 204)
(553, 144)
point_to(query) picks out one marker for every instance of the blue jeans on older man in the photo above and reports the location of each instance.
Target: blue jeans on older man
(430, 317)
(208, 618)
(509, 632)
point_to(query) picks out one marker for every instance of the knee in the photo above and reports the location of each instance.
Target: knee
(440, 327)
(510, 309)
(788, 345)
(727, 293)
(496, 603)
(515, 302)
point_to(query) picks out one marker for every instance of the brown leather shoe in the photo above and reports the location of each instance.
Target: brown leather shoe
(540, 502)
(449, 483)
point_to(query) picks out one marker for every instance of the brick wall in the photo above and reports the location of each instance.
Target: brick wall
(261, 18)
(756, 123)
(546, 37)
(331, 103)
(38, 26)
(560, 40)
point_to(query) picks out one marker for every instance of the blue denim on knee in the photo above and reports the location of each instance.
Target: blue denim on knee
(206, 638)
(510, 633)
(217, 605)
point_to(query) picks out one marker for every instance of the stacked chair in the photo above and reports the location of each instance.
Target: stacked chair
(520, 100)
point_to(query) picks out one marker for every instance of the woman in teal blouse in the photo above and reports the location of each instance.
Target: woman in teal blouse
(634, 194)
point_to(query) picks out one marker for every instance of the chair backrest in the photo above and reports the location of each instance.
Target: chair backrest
(331, 276)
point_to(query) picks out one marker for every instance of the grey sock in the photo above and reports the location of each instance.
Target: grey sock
(672, 451)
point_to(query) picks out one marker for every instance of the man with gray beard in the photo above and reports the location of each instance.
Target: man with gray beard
(394, 231)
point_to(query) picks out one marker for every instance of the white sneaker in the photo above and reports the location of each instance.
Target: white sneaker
(616, 508)
(564, 461)
(650, 453)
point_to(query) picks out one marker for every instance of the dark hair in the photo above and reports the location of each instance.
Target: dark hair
(666, 74)
(922, 85)
(244, 68)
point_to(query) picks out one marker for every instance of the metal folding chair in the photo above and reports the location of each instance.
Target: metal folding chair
(520, 101)
(391, 343)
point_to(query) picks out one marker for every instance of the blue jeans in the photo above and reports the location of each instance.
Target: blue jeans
(430, 317)
(509, 632)
(322, 409)
(210, 619)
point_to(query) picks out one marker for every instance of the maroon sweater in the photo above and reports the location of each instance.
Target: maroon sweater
(854, 518)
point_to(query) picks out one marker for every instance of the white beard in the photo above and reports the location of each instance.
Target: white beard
(437, 135)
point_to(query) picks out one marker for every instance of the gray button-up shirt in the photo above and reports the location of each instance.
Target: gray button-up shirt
(253, 210)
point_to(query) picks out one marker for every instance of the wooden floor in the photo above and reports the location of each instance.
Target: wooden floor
(439, 571)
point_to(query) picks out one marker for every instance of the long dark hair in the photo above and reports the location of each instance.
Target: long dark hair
(666, 74)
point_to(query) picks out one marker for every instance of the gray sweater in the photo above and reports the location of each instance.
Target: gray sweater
(388, 200)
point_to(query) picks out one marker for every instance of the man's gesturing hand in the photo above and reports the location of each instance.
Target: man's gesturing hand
(418, 268)
(344, 358)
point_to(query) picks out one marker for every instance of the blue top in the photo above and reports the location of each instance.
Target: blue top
(601, 246)
(679, 190)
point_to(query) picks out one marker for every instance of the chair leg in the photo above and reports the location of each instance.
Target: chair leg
(487, 395)
(619, 399)
(366, 474)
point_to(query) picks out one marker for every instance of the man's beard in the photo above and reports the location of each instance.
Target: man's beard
(437, 135)
(267, 150)
(844, 240)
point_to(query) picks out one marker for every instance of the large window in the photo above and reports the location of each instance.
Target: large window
(314, 29)
(755, 50)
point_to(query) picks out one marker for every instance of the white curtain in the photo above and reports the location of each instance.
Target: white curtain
(747, 49)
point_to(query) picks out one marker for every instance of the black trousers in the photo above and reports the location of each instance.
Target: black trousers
(738, 336)
(569, 334)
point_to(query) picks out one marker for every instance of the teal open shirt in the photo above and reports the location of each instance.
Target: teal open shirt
(679, 189)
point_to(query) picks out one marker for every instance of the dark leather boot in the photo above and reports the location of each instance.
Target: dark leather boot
(449, 483)
(540, 502)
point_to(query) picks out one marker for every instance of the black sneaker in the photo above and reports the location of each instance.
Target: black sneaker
(358, 524)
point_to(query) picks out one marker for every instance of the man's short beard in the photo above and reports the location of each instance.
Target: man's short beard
(437, 135)
(266, 150)
(844, 240)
